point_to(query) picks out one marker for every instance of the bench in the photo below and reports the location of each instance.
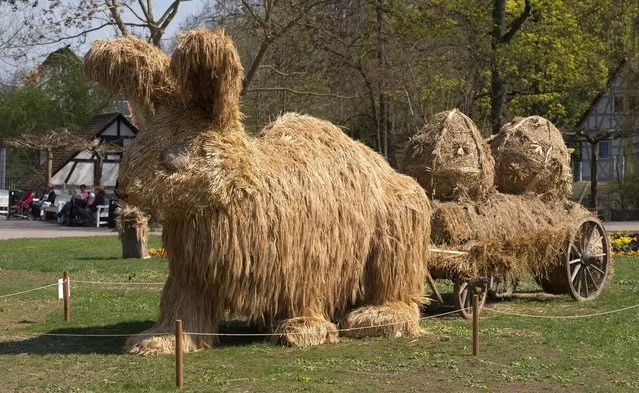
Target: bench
(102, 215)
(4, 202)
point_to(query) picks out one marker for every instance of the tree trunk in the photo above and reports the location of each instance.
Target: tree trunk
(500, 37)
(49, 166)
(255, 65)
(99, 166)
(382, 123)
(497, 88)
(593, 174)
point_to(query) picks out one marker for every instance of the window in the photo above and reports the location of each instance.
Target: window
(604, 149)
(617, 104)
(634, 104)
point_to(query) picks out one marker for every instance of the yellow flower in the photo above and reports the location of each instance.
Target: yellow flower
(157, 251)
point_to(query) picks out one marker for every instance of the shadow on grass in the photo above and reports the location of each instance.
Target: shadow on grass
(436, 308)
(46, 345)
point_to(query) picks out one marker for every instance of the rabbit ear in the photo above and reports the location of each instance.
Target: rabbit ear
(209, 74)
(132, 66)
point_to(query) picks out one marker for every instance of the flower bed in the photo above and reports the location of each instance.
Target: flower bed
(157, 251)
(625, 243)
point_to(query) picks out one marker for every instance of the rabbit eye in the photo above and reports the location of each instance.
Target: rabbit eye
(175, 158)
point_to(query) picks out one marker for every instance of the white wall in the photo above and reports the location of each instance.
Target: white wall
(112, 130)
(3, 166)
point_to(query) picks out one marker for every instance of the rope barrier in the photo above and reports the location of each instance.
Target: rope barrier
(117, 283)
(217, 334)
(96, 335)
(279, 334)
(338, 330)
(562, 316)
(81, 282)
(28, 290)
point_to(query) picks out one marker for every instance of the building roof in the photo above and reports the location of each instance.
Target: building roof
(611, 78)
(95, 127)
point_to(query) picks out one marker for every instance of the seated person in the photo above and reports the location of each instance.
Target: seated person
(99, 198)
(83, 196)
(93, 201)
(47, 199)
(75, 207)
(50, 197)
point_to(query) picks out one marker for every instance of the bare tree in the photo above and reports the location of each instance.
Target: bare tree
(99, 149)
(58, 21)
(47, 142)
(268, 20)
(593, 140)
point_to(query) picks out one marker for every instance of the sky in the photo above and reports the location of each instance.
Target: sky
(37, 53)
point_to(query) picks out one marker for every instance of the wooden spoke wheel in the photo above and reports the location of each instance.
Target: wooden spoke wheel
(588, 260)
(463, 292)
(502, 286)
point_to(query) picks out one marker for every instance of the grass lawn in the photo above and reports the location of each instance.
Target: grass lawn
(597, 354)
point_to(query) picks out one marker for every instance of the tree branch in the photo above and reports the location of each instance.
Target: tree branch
(84, 32)
(516, 25)
(114, 9)
(278, 72)
(254, 16)
(145, 11)
(582, 135)
(168, 15)
(134, 13)
(166, 19)
(307, 93)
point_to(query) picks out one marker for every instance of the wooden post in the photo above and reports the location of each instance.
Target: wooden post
(179, 355)
(65, 295)
(476, 325)
(433, 287)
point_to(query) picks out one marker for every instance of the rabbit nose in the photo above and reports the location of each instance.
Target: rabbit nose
(175, 158)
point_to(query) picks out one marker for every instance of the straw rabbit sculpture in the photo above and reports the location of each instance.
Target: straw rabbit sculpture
(299, 228)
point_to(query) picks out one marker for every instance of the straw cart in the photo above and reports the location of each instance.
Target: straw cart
(582, 270)
(501, 210)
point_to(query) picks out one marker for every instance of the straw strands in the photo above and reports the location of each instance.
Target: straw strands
(506, 234)
(131, 66)
(206, 58)
(133, 230)
(531, 156)
(449, 158)
(296, 228)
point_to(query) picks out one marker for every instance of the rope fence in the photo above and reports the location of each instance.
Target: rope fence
(597, 314)
(224, 334)
(117, 283)
(494, 310)
(29, 290)
(64, 285)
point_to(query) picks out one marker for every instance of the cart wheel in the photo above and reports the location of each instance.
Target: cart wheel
(588, 260)
(463, 293)
(502, 286)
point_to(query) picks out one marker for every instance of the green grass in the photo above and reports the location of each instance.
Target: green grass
(598, 354)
